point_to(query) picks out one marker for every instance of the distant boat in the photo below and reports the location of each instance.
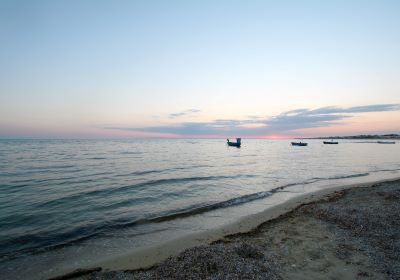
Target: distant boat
(235, 144)
(299, 144)
(386, 142)
(331, 142)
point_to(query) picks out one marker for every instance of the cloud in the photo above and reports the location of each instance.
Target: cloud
(184, 113)
(285, 122)
(358, 109)
(255, 117)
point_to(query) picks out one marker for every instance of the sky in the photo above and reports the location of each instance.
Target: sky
(268, 69)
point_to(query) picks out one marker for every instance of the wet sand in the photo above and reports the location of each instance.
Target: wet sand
(350, 232)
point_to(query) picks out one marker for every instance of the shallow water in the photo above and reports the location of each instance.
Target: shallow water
(61, 198)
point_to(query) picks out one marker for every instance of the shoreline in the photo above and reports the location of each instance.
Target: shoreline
(152, 256)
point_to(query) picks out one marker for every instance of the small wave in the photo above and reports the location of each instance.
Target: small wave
(39, 170)
(130, 153)
(137, 187)
(45, 241)
(48, 241)
(313, 180)
(386, 170)
(83, 233)
(51, 240)
(348, 176)
(139, 173)
(62, 180)
(337, 177)
(318, 179)
(52, 167)
(168, 181)
(205, 208)
(145, 172)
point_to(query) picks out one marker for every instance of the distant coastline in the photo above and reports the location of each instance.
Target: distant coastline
(362, 136)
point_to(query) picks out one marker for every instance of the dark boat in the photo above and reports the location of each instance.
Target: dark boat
(386, 142)
(299, 144)
(331, 142)
(235, 144)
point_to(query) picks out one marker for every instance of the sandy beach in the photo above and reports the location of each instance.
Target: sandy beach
(350, 232)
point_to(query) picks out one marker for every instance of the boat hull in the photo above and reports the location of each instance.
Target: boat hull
(299, 144)
(233, 144)
(332, 143)
(386, 142)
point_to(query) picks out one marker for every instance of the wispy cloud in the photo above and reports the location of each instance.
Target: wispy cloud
(184, 113)
(285, 122)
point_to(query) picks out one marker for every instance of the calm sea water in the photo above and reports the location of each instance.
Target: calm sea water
(92, 198)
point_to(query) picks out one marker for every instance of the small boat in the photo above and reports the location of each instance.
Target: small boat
(331, 142)
(234, 144)
(386, 142)
(299, 144)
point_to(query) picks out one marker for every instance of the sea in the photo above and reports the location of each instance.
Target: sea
(67, 204)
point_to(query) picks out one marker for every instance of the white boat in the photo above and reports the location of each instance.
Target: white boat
(235, 144)
(386, 142)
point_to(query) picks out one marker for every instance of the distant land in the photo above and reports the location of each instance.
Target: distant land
(362, 136)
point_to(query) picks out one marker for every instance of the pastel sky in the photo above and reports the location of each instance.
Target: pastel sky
(94, 69)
